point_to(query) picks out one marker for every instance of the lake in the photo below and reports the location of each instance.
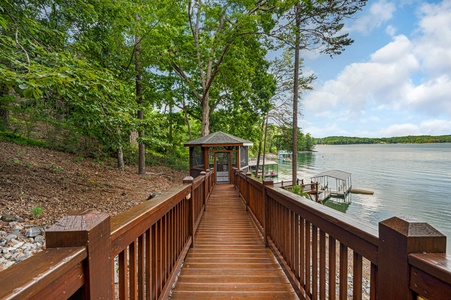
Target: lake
(412, 180)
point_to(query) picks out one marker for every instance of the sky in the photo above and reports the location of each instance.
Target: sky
(394, 80)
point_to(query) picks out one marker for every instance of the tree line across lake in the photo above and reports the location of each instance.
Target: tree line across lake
(410, 139)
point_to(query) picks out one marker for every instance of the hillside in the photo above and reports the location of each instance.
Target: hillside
(63, 184)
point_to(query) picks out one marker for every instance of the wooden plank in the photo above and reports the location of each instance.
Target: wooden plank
(58, 272)
(229, 259)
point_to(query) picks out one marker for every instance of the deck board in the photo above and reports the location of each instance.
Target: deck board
(229, 259)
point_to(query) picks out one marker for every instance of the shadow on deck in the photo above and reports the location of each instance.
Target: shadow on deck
(229, 259)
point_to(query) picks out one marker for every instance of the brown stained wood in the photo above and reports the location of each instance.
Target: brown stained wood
(132, 223)
(141, 268)
(315, 276)
(357, 275)
(123, 274)
(322, 265)
(436, 264)
(373, 280)
(229, 259)
(343, 272)
(399, 238)
(429, 286)
(45, 272)
(431, 274)
(332, 267)
(133, 271)
(359, 236)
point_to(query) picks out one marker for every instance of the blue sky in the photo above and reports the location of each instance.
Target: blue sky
(395, 79)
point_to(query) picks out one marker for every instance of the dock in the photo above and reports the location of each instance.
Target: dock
(230, 260)
(334, 183)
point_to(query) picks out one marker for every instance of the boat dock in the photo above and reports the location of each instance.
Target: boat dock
(334, 183)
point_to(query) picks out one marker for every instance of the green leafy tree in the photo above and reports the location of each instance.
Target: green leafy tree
(219, 56)
(312, 25)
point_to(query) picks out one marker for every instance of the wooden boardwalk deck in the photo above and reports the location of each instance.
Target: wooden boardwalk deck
(229, 259)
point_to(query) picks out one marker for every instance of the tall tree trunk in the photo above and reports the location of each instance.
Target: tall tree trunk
(120, 158)
(259, 149)
(205, 116)
(139, 100)
(264, 148)
(4, 111)
(187, 122)
(185, 111)
(294, 159)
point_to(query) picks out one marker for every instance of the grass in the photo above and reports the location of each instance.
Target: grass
(20, 139)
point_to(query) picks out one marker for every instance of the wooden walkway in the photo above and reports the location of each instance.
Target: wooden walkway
(229, 259)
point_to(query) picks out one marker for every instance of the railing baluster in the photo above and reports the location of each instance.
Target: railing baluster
(165, 249)
(357, 276)
(302, 251)
(155, 257)
(123, 280)
(314, 262)
(132, 270)
(141, 267)
(343, 272)
(308, 264)
(149, 260)
(322, 265)
(332, 267)
(297, 254)
(373, 282)
(160, 244)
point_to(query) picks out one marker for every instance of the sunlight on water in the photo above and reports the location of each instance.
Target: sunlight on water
(411, 180)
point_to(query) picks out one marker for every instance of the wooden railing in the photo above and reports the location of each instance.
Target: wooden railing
(328, 255)
(325, 254)
(134, 255)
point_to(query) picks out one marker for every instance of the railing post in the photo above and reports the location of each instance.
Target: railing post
(398, 237)
(191, 218)
(204, 198)
(247, 189)
(208, 178)
(266, 222)
(92, 230)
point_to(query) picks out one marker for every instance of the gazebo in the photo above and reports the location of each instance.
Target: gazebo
(221, 153)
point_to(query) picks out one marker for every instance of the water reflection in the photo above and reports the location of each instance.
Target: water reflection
(407, 180)
(339, 204)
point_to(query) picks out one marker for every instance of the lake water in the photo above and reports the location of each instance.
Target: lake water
(412, 180)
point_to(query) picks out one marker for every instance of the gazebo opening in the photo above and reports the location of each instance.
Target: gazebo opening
(220, 153)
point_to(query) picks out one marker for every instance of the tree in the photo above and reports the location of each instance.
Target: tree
(315, 25)
(219, 55)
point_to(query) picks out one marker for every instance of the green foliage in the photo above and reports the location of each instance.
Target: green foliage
(20, 139)
(37, 211)
(297, 189)
(68, 72)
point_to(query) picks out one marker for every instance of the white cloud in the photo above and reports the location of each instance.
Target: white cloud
(432, 97)
(406, 84)
(436, 127)
(385, 79)
(429, 127)
(433, 45)
(379, 13)
(400, 130)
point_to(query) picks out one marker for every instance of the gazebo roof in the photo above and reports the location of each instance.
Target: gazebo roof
(218, 139)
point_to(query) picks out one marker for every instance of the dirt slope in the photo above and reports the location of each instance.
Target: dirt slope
(63, 184)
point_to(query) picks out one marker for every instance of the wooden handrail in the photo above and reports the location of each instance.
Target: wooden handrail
(140, 249)
(323, 252)
(430, 275)
(317, 247)
(51, 274)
